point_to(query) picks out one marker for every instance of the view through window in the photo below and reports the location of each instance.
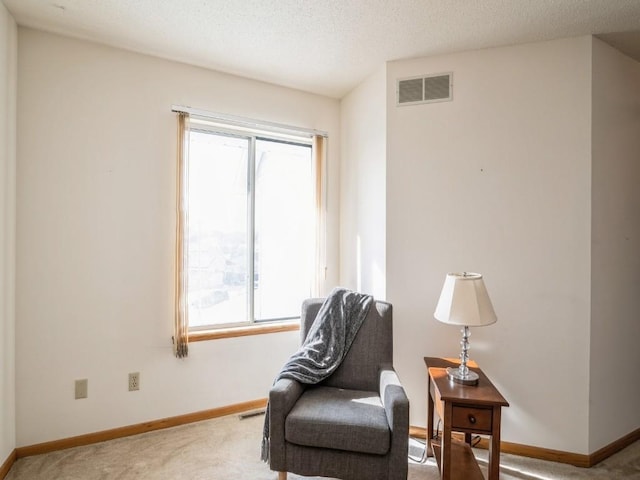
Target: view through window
(250, 230)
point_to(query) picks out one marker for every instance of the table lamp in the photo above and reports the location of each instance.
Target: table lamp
(464, 301)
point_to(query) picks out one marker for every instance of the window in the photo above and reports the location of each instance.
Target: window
(250, 224)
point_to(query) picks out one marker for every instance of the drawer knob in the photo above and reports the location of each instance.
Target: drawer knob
(472, 419)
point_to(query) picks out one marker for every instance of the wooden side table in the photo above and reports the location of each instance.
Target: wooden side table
(467, 409)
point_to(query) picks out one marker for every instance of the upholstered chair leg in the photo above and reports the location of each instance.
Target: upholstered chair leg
(282, 475)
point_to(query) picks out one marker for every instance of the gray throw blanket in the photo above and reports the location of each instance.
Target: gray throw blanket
(327, 343)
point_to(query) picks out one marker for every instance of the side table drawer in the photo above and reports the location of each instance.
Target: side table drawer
(470, 418)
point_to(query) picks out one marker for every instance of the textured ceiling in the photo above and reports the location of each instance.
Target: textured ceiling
(322, 46)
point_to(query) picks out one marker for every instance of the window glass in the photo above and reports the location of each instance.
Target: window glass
(217, 229)
(283, 229)
(250, 228)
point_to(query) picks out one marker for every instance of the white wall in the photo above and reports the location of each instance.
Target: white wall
(498, 181)
(615, 256)
(363, 116)
(96, 189)
(8, 77)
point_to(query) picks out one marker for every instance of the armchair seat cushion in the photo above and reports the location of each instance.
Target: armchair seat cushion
(336, 418)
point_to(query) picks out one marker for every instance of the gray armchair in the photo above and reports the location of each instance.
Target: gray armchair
(355, 424)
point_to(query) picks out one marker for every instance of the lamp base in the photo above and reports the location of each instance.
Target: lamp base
(470, 378)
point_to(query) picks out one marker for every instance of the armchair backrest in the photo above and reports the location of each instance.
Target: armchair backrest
(371, 349)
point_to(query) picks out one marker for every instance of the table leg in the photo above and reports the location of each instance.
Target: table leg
(446, 441)
(494, 447)
(430, 407)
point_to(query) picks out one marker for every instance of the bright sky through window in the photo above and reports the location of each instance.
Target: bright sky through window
(250, 229)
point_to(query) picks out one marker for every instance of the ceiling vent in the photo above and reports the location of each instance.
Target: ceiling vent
(425, 89)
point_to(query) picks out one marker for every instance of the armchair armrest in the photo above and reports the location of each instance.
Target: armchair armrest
(395, 401)
(396, 406)
(282, 397)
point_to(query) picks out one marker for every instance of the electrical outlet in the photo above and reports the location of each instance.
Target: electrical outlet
(134, 381)
(82, 388)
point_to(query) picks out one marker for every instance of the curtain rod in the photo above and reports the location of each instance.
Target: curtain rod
(249, 122)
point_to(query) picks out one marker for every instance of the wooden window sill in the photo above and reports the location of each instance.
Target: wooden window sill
(231, 332)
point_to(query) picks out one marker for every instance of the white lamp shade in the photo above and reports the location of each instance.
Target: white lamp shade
(464, 301)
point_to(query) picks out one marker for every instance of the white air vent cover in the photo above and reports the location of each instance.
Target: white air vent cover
(425, 89)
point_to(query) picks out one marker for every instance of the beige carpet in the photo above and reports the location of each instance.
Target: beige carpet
(229, 448)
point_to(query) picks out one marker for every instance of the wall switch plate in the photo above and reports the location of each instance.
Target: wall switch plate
(82, 388)
(134, 381)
